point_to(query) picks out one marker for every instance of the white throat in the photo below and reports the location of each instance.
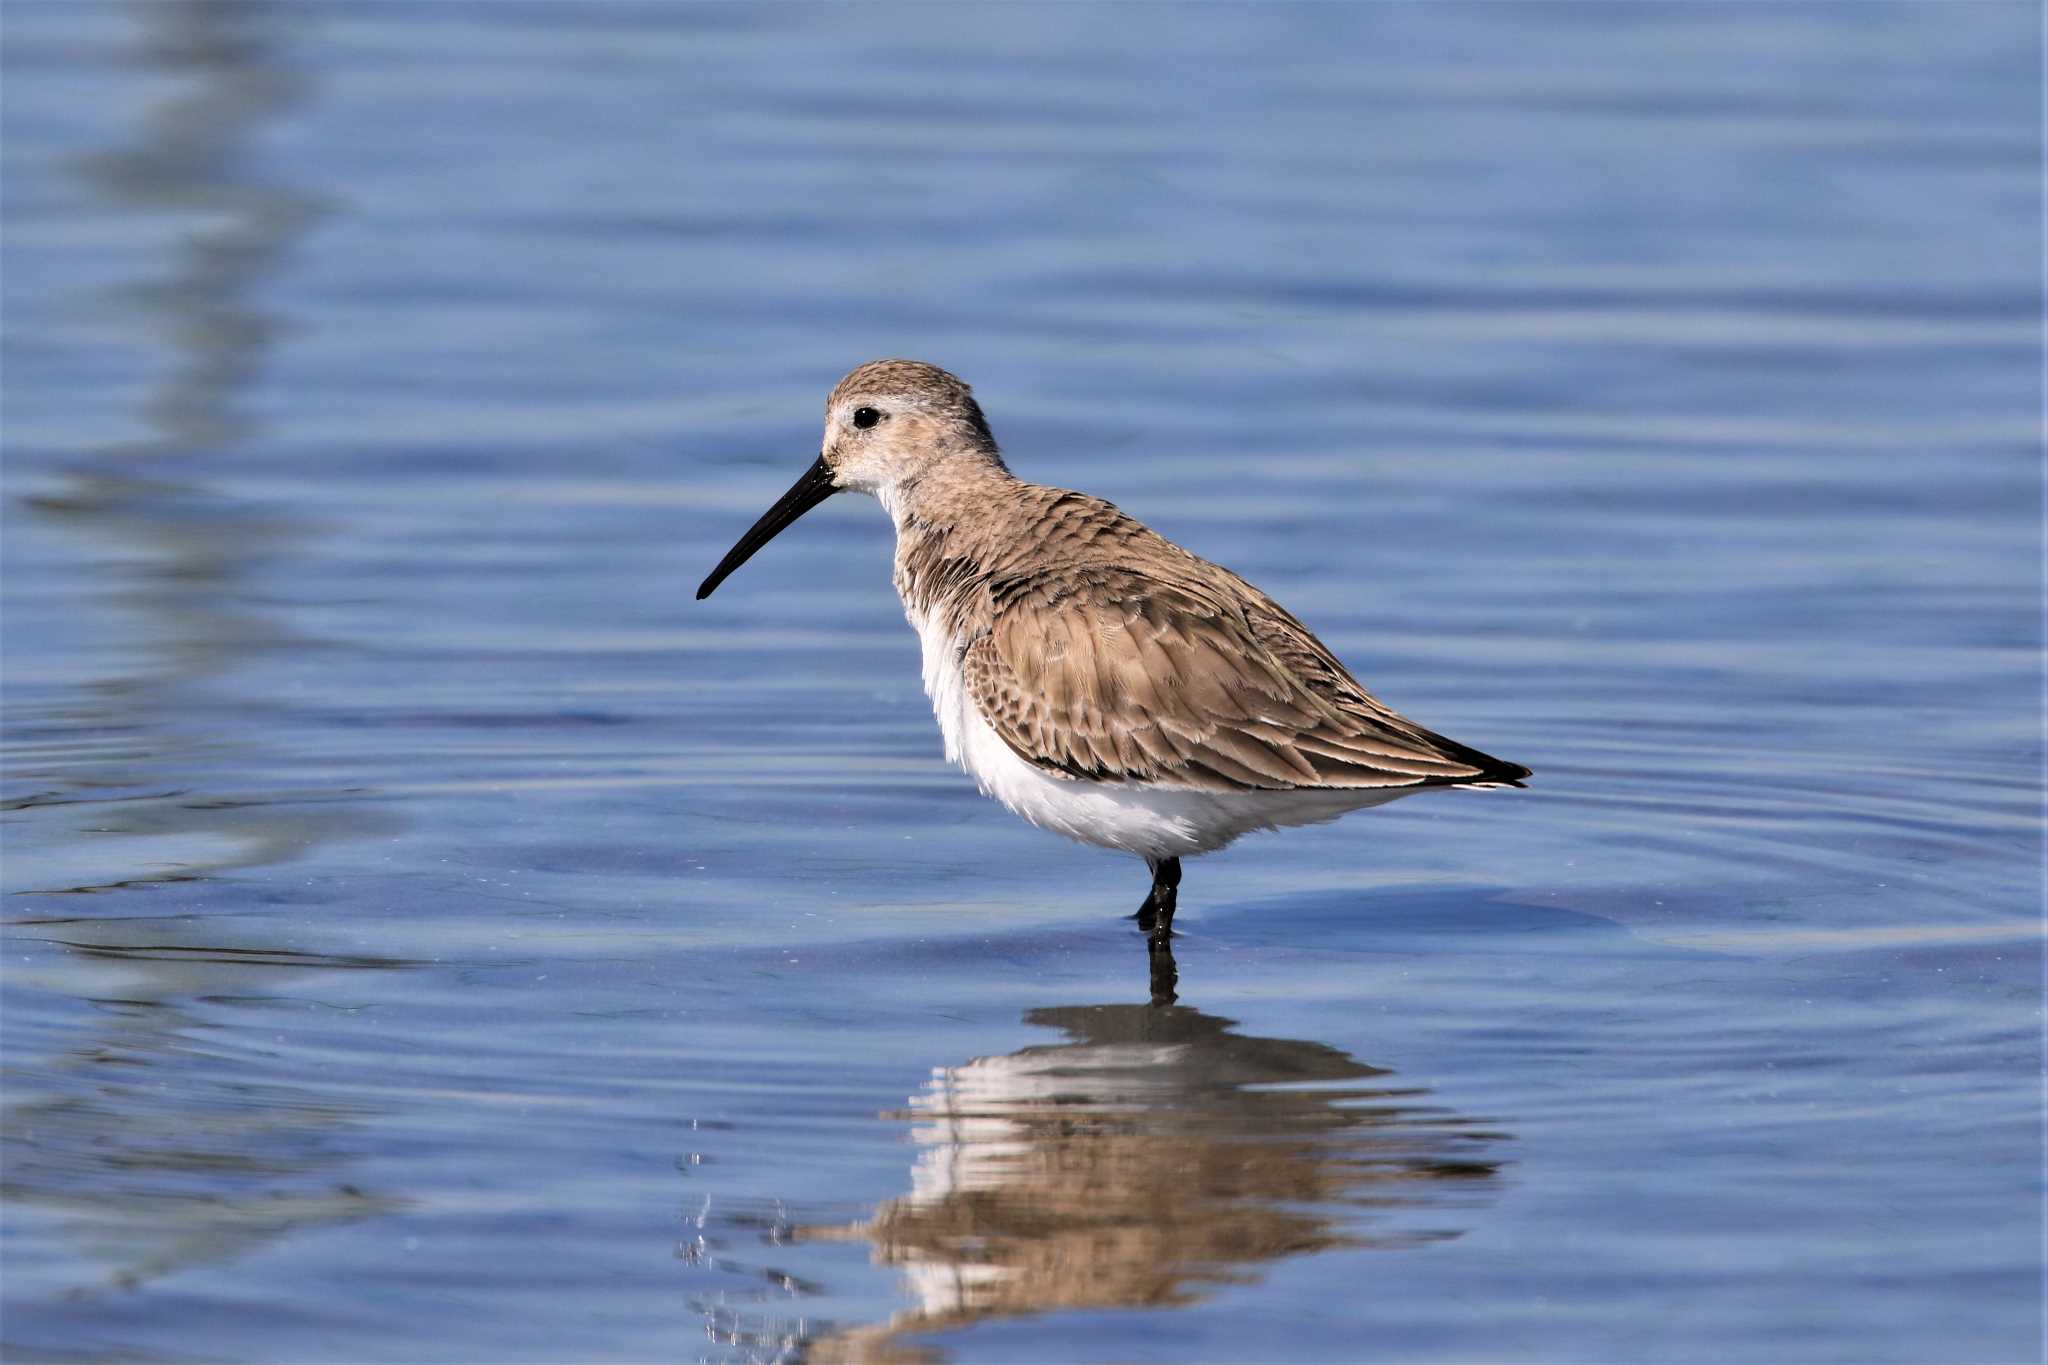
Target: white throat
(893, 501)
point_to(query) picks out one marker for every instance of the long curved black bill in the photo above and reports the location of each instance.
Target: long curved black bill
(807, 492)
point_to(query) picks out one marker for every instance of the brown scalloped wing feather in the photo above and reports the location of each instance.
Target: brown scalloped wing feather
(1108, 674)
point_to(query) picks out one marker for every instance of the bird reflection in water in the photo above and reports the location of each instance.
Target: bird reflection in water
(1153, 1157)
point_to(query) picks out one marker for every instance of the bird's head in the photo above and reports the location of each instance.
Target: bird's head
(888, 425)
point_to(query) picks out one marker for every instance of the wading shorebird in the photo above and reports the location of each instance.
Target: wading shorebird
(1090, 674)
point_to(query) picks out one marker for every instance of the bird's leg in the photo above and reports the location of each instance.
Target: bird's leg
(1155, 916)
(1165, 974)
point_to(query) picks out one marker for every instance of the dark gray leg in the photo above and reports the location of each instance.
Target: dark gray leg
(1165, 972)
(1155, 916)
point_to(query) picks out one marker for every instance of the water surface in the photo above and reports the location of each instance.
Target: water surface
(431, 935)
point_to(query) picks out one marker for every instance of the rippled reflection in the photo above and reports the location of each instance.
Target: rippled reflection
(157, 747)
(151, 1137)
(1153, 1157)
(158, 1142)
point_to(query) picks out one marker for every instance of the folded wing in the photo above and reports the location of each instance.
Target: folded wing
(1105, 673)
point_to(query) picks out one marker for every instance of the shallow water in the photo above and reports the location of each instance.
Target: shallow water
(434, 936)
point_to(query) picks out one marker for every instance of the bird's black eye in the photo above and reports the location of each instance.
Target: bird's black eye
(865, 417)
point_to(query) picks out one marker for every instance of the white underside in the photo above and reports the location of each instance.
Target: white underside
(1152, 822)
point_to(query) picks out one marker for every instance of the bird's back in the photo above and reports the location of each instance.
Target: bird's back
(1098, 649)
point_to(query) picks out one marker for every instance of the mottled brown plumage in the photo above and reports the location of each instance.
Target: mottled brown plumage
(1101, 650)
(1097, 678)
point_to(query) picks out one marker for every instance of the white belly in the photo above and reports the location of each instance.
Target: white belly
(1152, 822)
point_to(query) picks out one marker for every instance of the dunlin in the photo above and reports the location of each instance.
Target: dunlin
(1091, 675)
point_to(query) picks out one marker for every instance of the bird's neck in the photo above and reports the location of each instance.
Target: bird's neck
(948, 495)
(947, 523)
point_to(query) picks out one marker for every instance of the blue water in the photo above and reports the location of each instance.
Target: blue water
(433, 936)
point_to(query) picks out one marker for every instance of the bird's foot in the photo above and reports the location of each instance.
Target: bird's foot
(1155, 916)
